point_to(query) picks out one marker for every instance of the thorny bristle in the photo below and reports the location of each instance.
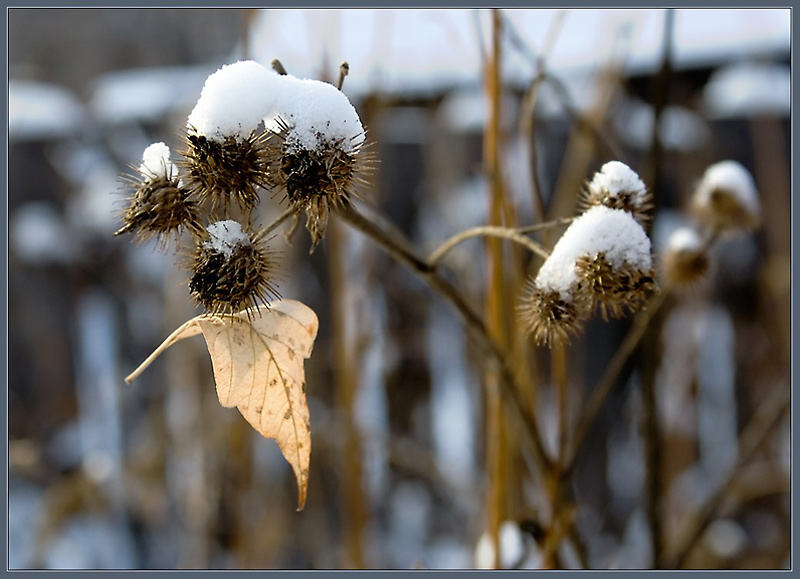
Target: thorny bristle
(613, 290)
(159, 207)
(232, 171)
(638, 203)
(225, 285)
(321, 179)
(547, 317)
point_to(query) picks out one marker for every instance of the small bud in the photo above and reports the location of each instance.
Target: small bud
(160, 205)
(231, 269)
(617, 186)
(726, 198)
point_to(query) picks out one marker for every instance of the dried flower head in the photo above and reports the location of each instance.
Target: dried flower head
(230, 169)
(613, 288)
(726, 198)
(547, 315)
(231, 269)
(602, 260)
(686, 262)
(322, 158)
(617, 186)
(160, 205)
(318, 178)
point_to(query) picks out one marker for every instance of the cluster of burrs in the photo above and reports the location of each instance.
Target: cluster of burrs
(252, 130)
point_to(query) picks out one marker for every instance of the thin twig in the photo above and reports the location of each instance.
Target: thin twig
(603, 388)
(281, 218)
(399, 248)
(487, 231)
(277, 66)
(344, 69)
(546, 225)
(753, 435)
(496, 320)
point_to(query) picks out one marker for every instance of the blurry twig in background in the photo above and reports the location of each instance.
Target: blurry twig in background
(399, 249)
(751, 438)
(496, 321)
(651, 353)
(345, 364)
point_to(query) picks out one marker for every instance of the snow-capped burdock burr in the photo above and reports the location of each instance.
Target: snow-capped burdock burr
(603, 261)
(231, 269)
(686, 261)
(617, 186)
(160, 205)
(726, 198)
(227, 150)
(549, 315)
(321, 150)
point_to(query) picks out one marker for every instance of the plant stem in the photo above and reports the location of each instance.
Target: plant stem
(398, 248)
(558, 521)
(653, 455)
(354, 512)
(753, 435)
(487, 231)
(495, 316)
(559, 361)
(603, 388)
(279, 220)
(545, 225)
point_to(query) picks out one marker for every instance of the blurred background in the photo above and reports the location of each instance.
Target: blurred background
(157, 474)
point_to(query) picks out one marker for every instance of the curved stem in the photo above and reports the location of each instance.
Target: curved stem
(545, 225)
(399, 248)
(486, 231)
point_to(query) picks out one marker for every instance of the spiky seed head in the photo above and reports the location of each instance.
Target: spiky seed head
(726, 198)
(319, 178)
(550, 317)
(231, 270)
(685, 261)
(160, 205)
(613, 288)
(617, 186)
(227, 171)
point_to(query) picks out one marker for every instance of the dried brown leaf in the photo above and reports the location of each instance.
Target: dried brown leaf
(258, 368)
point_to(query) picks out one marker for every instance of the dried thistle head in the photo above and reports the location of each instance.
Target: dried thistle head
(726, 198)
(613, 288)
(231, 269)
(602, 260)
(550, 316)
(227, 170)
(160, 205)
(686, 262)
(318, 176)
(617, 186)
